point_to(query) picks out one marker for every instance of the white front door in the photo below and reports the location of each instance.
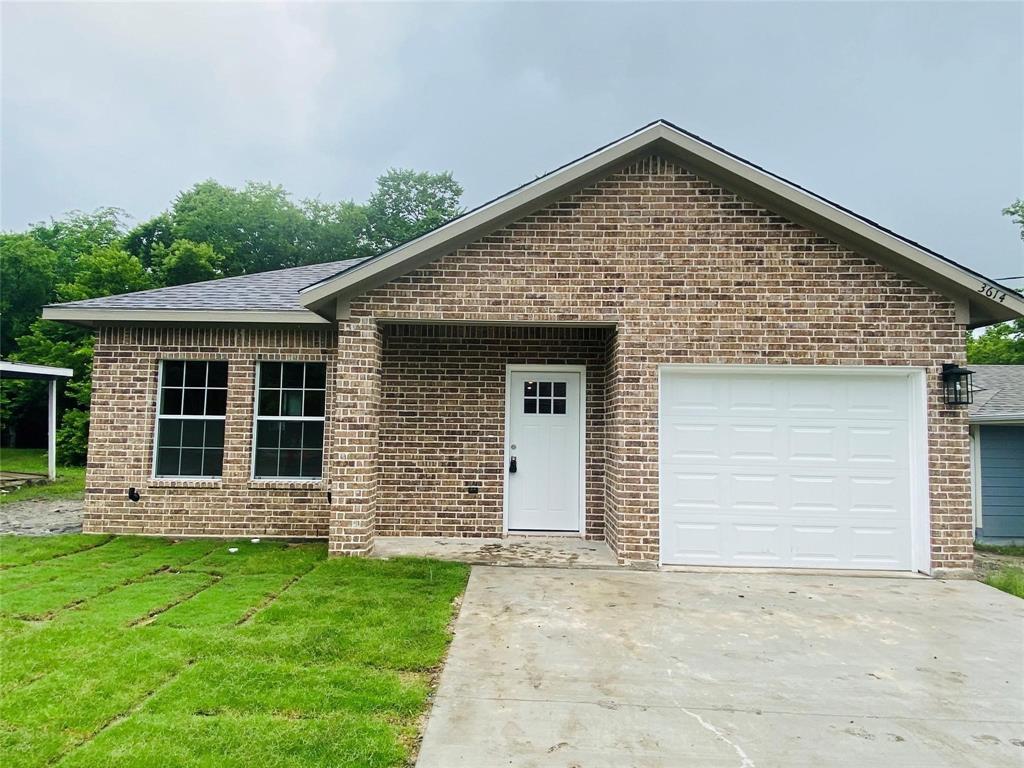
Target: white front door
(543, 461)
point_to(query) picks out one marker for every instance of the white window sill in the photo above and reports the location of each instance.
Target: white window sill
(288, 484)
(186, 482)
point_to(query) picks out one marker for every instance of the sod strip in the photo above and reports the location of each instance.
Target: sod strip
(44, 601)
(17, 551)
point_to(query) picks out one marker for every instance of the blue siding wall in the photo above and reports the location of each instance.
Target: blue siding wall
(1002, 483)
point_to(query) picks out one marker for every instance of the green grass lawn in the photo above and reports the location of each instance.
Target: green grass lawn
(70, 481)
(1010, 579)
(1009, 575)
(135, 651)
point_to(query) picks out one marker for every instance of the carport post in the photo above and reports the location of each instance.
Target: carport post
(51, 432)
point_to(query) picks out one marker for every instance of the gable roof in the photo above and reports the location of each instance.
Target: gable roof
(315, 293)
(998, 393)
(983, 301)
(266, 297)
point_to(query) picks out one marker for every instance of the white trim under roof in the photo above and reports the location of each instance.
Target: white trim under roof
(94, 316)
(12, 370)
(981, 301)
(1007, 418)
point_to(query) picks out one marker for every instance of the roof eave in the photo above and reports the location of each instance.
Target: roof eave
(982, 301)
(1002, 418)
(94, 317)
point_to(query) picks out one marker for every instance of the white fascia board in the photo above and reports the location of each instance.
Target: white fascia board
(12, 370)
(96, 316)
(1008, 418)
(996, 302)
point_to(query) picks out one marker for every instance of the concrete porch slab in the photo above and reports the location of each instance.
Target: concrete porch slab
(515, 551)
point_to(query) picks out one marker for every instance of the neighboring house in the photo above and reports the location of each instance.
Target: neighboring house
(659, 344)
(997, 453)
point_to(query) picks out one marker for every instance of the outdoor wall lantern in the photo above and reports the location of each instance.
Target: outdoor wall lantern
(957, 385)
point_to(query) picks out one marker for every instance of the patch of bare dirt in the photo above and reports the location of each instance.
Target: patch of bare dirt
(42, 517)
(986, 563)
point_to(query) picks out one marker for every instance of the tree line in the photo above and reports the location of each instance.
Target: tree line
(209, 231)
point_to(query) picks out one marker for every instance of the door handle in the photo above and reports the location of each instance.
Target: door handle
(512, 466)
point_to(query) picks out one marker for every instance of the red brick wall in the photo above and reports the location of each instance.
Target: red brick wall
(689, 272)
(443, 423)
(686, 272)
(122, 427)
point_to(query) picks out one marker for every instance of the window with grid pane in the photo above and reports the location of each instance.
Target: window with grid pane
(290, 420)
(544, 397)
(190, 418)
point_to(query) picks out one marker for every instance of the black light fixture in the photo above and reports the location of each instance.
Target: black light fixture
(957, 384)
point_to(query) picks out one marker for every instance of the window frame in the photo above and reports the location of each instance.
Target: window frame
(256, 418)
(191, 417)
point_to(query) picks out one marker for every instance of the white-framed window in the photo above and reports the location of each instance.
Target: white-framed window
(290, 407)
(192, 402)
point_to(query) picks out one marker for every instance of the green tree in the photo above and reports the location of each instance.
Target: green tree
(23, 403)
(336, 231)
(76, 233)
(211, 230)
(1001, 344)
(1016, 213)
(29, 272)
(186, 262)
(143, 239)
(408, 204)
(105, 271)
(255, 228)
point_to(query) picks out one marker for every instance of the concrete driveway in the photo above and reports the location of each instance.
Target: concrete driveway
(623, 668)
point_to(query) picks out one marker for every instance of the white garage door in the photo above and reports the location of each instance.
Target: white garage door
(794, 469)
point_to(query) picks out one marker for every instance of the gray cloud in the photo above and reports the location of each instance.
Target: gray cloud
(912, 114)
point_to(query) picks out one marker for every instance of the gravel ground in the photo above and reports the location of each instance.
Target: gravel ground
(42, 517)
(986, 563)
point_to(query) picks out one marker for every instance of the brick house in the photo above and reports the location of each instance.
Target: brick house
(659, 344)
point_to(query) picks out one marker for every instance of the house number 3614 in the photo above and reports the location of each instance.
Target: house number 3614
(992, 292)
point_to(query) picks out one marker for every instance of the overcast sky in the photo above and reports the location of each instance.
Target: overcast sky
(911, 114)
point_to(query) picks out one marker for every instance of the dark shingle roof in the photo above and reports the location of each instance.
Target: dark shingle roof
(998, 391)
(274, 290)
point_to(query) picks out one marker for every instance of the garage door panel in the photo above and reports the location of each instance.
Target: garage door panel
(815, 494)
(755, 493)
(879, 547)
(876, 494)
(882, 444)
(759, 544)
(688, 441)
(814, 444)
(695, 543)
(757, 443)
(817, 546)
(878, 398)
(812, 396)
(788, 469)
(690, 395)
(694, 490)
(748, 397)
